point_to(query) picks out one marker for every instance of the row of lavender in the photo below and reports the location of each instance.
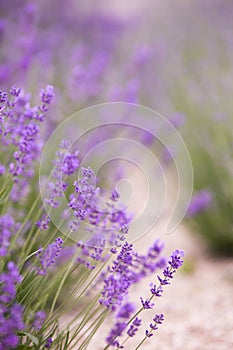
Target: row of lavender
(176, 59)
(32, 252)
(44, 275)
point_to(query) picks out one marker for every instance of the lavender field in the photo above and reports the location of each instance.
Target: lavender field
(116, 167)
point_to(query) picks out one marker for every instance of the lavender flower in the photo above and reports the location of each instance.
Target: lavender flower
(158, 319)
(118, 282)
(48, 343)
(48, 256)
(7, 229)
(65, 163)
(43, 223)
(174, 263)
(9, 280)
(11, 313)
(115, 196)
(127, 269)
(146, 304)
(2, 169)
(157, 291)
(126, 310)
(106, 220)
(20, 128)
(39, 320)
(200, 202)
(134, 327)
(116, 332)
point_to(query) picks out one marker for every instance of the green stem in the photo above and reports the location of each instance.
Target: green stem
(102, 317)
(143, 340)
(62, 284)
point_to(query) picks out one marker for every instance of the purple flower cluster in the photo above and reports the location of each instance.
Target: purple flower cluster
(150, 262)
(201, 201)
(158, 319)
(20, 129)
(91, 252)
(108, 222)
(89, 41)
(48, 256)
(43, 223)
(39, 319)
(128, 269)
(116, 332)
(126, 310)
(174, 263)
(11, 313)
(65, 164)
(83, 201)
(7, 228)
(113, 296)
(48, 343)
(147, 304)
(117, 283)
(136, 323)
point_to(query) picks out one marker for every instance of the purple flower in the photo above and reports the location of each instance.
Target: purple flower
(48, 256)
(134, 327)
(11, 313)
(43, 223)
(174, 263)
(157, 291)
(115, 196)
(147, 304)
(109, 220)
(20, 125)
(118, 282)
(2, 169)
(39, 320)
(200, 202)
(9, 280)
(9, 341)
(48, 343)
(65, 163)
(126, 310)
(148, 333)
(116, 332)
(7, 229)
(47, 94)
(158, 319)
(175, 260)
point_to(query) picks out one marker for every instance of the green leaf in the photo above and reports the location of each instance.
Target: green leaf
(23, 347)
(4, 194)
(67, 339)
(34, 339)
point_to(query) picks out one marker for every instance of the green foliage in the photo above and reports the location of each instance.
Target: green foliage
(7, 188)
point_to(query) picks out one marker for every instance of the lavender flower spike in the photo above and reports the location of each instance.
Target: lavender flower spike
(200, 202)
(49, 256)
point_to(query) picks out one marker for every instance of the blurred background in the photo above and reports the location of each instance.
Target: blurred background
(177, 58)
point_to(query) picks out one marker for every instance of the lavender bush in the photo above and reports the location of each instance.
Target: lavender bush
(44, 276)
